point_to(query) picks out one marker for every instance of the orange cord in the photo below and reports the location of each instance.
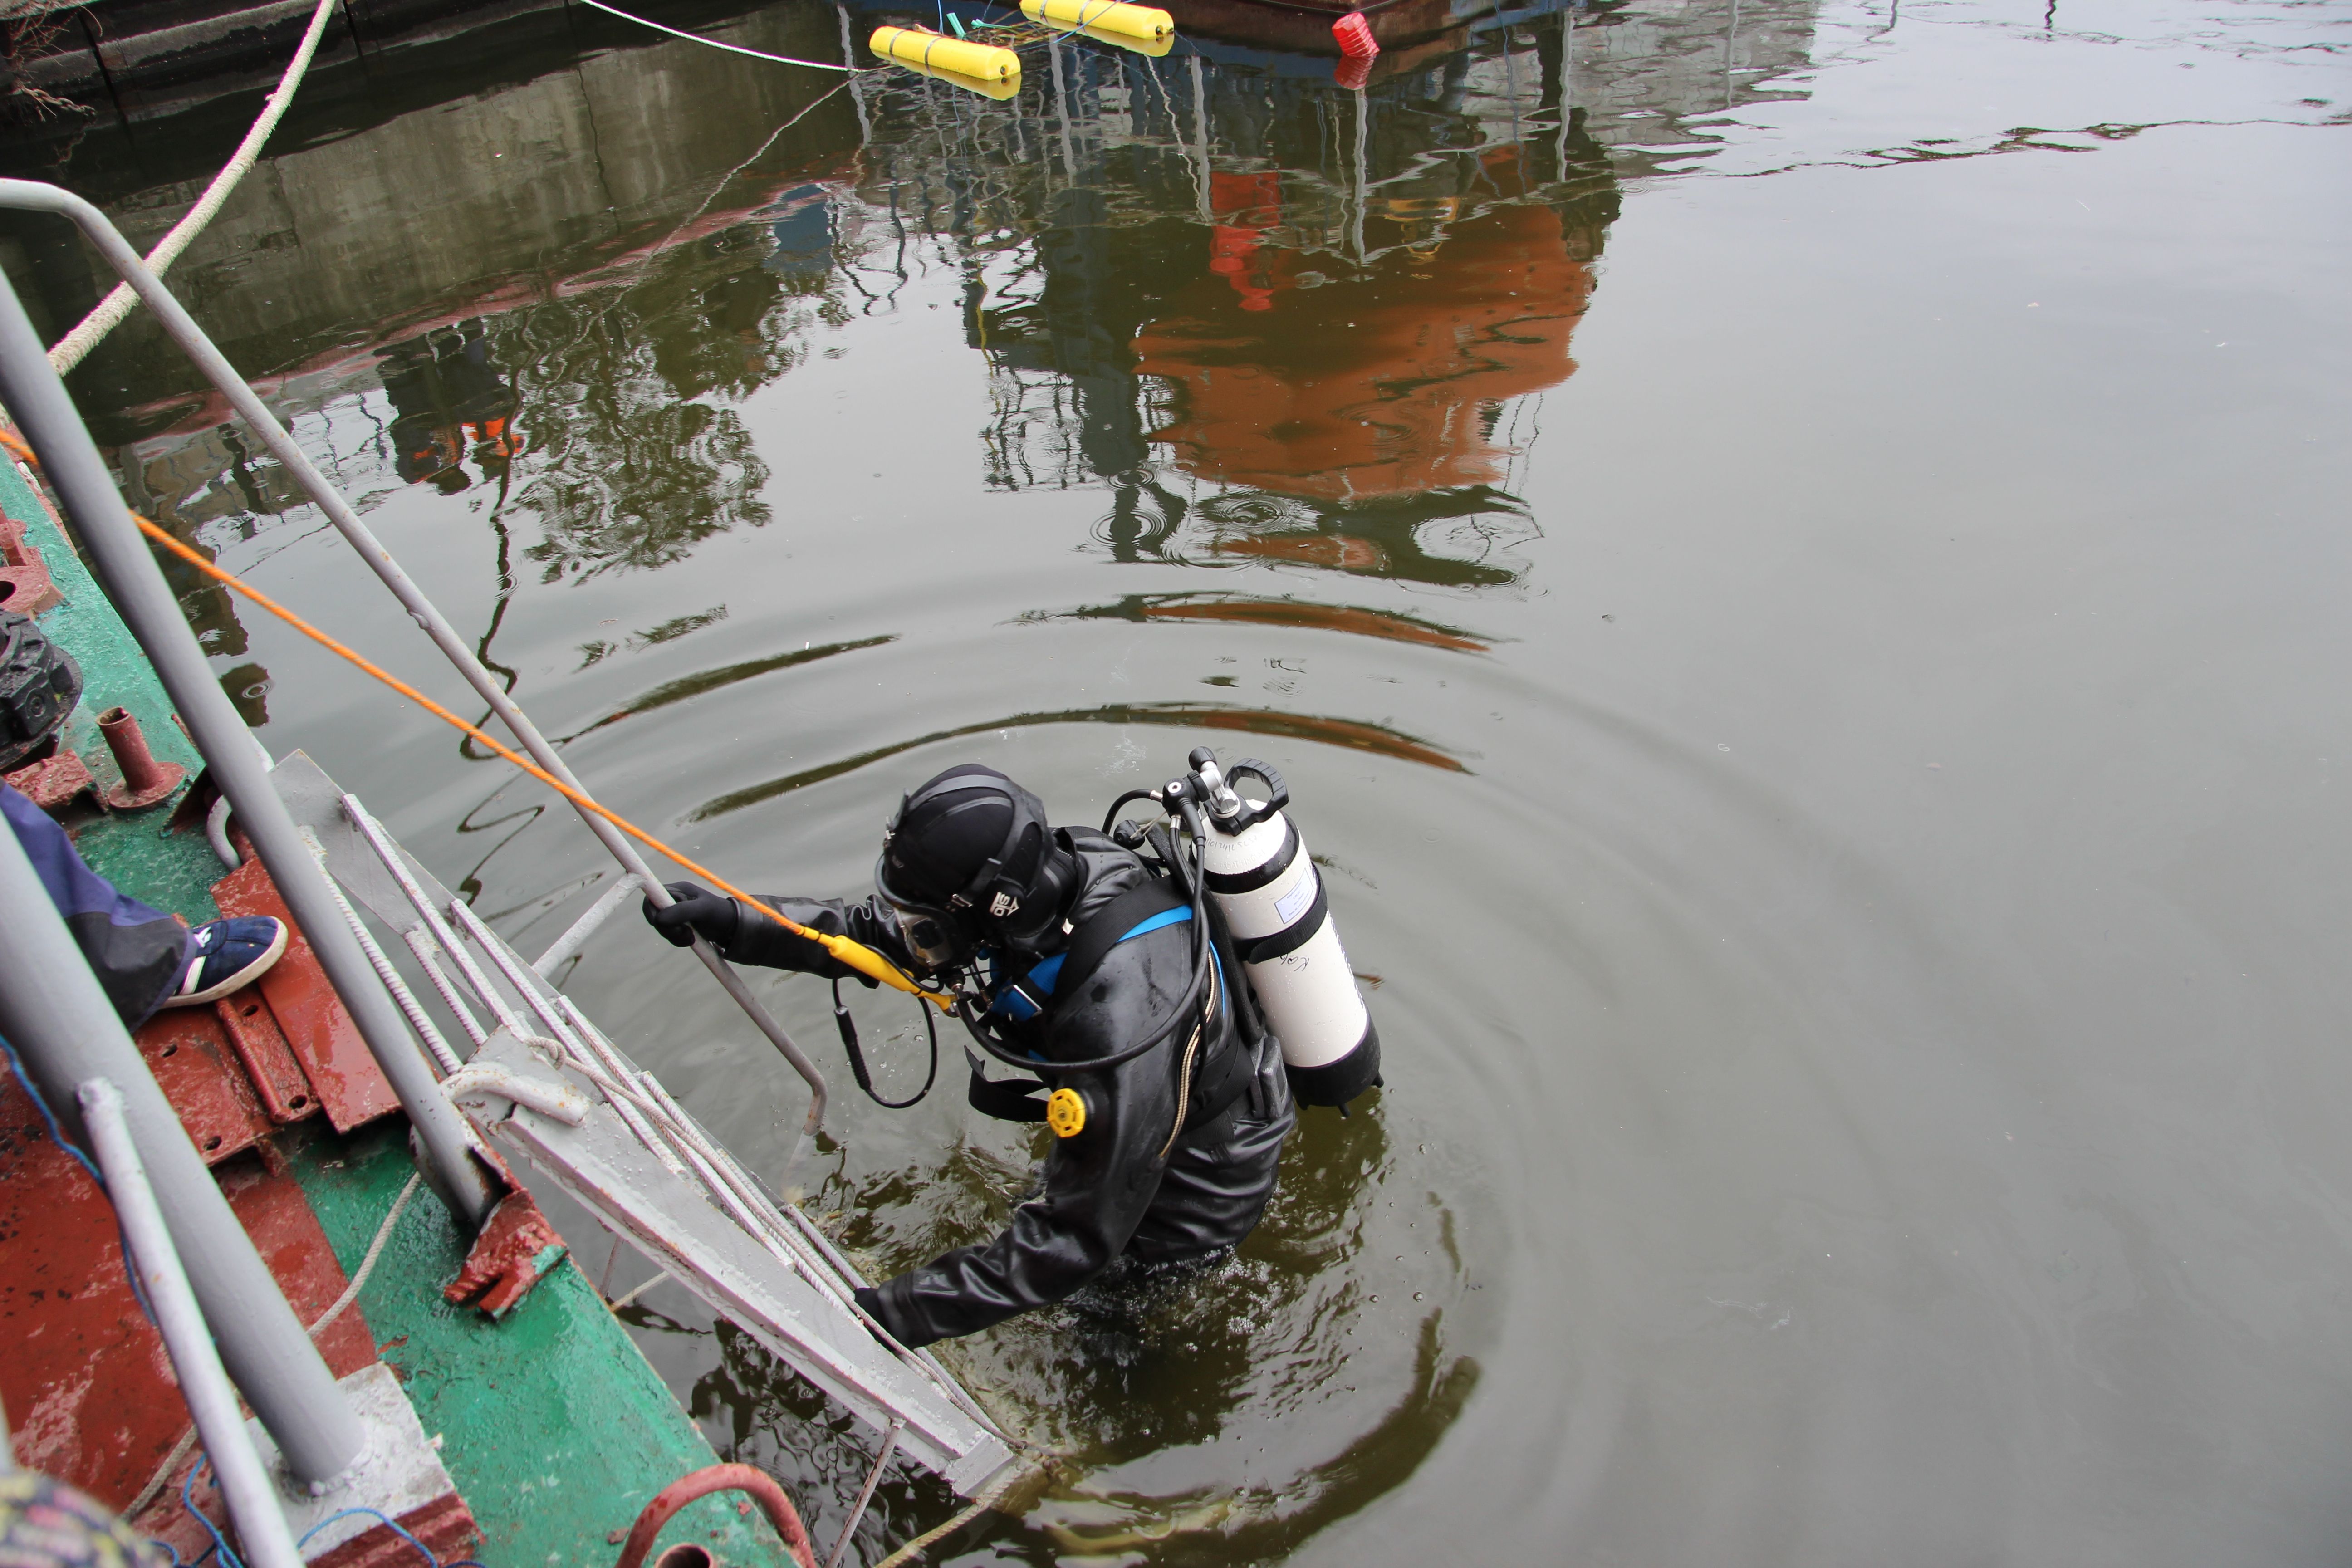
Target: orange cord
(855, 955)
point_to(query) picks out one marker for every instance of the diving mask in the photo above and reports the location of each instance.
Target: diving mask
(933, 937)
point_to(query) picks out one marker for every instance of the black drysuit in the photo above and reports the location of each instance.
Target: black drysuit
(1132, 1181)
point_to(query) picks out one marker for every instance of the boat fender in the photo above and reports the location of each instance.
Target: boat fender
(1001, 91)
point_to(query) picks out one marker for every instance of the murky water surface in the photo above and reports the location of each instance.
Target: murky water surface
(1793, 555)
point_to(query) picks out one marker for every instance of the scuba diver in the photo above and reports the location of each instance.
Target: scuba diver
(1173, 1102)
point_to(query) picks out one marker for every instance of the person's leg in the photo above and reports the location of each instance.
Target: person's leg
(138, 954)
(143, 958)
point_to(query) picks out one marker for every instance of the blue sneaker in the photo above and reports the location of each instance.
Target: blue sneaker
(226, 955)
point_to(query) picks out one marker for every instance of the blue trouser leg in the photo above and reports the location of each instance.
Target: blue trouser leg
(137, 953)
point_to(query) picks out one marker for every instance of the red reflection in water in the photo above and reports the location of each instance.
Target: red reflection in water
(1379, 385)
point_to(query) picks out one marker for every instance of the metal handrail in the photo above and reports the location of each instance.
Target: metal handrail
(53, 1010)
(124, 566)
(261, 1526)
(34, 196)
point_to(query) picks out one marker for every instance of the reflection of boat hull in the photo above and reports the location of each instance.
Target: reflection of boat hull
(1305, 25)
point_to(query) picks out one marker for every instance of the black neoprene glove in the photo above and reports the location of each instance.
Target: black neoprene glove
(760, 941)
(698, 912)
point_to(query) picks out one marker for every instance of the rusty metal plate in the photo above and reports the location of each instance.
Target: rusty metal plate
(24, 585)
(269, 1060)
(445, 1526)
(189, 1053)
(85, 1382)
(52, 782)
(336, 1060)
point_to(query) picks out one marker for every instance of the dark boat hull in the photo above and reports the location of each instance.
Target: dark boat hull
(1304, 27)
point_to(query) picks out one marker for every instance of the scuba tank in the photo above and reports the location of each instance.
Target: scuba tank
(1271, 898)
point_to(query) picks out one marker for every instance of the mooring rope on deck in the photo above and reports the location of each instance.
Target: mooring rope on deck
(70, 350)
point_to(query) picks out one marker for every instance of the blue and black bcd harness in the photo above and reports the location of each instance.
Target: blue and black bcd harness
(1138, 912)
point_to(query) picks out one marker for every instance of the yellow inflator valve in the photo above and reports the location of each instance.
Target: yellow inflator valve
(1066, 1113)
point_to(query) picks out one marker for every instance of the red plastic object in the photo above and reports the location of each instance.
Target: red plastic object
(701, 1483)
(145, 781)
(1355, 35)
(1353, 72)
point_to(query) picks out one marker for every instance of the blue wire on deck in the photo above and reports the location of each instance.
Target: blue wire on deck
(16, 1066)
(188, 1501)
(220, 1546)
(123, 1238)
(386, 1520)
(229, 1559)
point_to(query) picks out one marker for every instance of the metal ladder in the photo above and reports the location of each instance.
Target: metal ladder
(600, 1127)
(627, 1152)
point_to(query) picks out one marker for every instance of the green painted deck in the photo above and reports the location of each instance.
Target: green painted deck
(171, 870)
(555, 1427)
(554, 1424)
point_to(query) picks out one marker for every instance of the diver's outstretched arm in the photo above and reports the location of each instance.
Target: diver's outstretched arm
(746, 936)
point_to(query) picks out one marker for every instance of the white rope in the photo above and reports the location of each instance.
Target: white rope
(618, 1302)
(70, 348)
(187, 1442)
(730, 48)
(180, 1451)
(375, 1250)
(987, 1500)
(412, 1009)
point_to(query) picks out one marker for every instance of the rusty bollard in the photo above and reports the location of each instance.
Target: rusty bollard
(145, 781)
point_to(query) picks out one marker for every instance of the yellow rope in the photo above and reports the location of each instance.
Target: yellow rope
(855, 955)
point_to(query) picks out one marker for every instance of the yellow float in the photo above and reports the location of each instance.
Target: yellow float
(998, 89)
(1148, 24)
(1147, 47)
(941, 56)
